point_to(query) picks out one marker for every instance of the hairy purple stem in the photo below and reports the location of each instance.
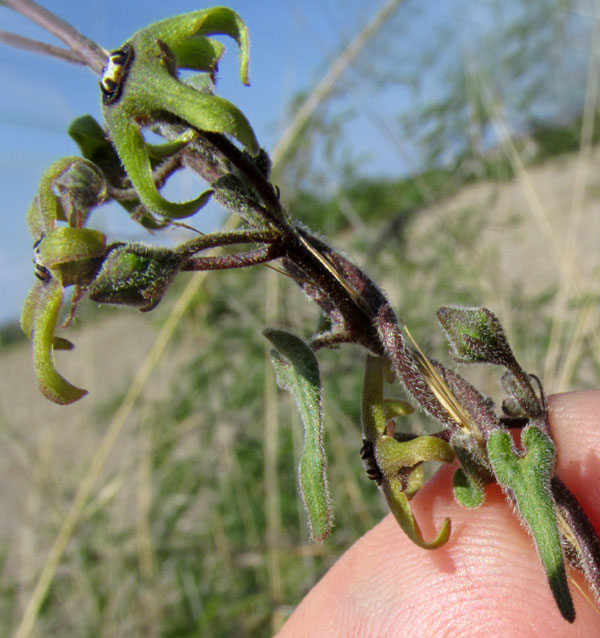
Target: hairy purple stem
(239, 260)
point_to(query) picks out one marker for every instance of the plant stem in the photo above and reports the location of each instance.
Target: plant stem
(214, 240)
(239, 260)
(87, 51)
(35, 46)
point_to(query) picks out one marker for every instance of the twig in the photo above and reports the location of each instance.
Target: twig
(35, 46)
(87, 50)
(239, 260)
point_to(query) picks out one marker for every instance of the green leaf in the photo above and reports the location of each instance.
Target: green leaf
(92, 141)
(297, 371)
(476, 335)
(474, 473)
(527, 478)
(467, 491)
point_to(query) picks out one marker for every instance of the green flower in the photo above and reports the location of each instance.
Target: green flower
(396, 465)
(141, 87)
(65, 255)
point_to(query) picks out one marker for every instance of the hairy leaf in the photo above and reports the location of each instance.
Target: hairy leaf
(468, 492)
(527, 478)
(297, 371)
(476, 335)
(475, 467)
(521, 401)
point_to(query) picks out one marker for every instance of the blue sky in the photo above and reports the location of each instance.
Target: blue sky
(292, 45)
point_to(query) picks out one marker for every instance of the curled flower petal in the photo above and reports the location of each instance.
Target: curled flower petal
(208, 113)
(28, 317)
(391, 462)
(84, 186)
(392, 455)
(396, 407)
(133, 151)
(95, 145)
(45, 209)
(399, 505)
(198, 54)
(52, 385)
(162, 151)
(178, 31)
(28, 310)
(64, 244)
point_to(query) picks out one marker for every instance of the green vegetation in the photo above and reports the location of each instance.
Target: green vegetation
(195, 527)
(194, 557)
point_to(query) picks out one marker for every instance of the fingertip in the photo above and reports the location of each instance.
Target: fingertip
(575, 425)
(487, 580)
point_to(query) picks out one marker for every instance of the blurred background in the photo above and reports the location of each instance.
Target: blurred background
(448, 148)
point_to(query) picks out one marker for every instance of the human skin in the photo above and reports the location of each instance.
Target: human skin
(486, 581)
